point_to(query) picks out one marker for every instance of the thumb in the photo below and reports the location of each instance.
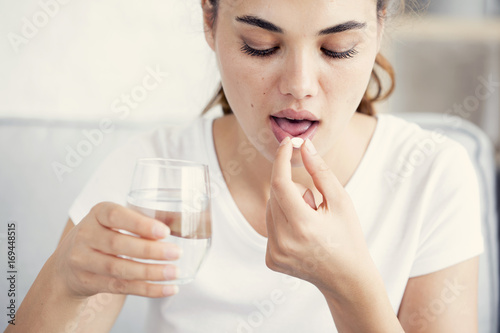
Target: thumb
(309, 199)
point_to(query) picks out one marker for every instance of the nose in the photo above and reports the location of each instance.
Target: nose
(299, 76)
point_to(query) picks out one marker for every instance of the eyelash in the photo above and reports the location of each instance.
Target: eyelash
(266, 53)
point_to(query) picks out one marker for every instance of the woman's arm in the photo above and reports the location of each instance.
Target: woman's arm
(443, 301)
(72, 292)
(363, 307)
(47, 307)
(325, 245)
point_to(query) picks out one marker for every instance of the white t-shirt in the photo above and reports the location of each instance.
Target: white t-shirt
(415, 192)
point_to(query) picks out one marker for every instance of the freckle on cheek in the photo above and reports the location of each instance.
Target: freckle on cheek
(251, 105)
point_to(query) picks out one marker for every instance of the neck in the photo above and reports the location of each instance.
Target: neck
(244, 166)
(241, 162)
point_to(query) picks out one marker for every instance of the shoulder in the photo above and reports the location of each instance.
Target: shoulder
(167, 138)
(193, 129)
(406, 135)
(416, 155)
(193, 133)
(111, 180)
(185, 141)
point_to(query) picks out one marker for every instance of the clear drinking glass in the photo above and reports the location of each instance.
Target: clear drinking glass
(176, 193)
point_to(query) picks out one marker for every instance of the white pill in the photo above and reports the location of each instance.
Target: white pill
(297, 142)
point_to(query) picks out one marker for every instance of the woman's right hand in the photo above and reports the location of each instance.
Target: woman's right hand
(88, 262)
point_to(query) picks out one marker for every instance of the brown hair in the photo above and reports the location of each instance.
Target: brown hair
(366, 104)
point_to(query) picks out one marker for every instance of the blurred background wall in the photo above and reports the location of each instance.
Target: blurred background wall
(446, 54)
(72, 59)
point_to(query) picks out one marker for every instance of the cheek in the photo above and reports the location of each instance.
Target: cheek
(347, 84)
(237, 77)
(228, 67)
(248, 87)
(346, 87)
(245, 79)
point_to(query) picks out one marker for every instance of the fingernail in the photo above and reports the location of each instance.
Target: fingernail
(285, 141)
(310, 147)
(170, 272)
(170, 290)
(173, 253)
(160, 230)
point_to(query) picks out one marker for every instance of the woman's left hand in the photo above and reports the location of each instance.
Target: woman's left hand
(323, 245)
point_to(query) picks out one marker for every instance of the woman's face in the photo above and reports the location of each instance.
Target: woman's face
(308, 61)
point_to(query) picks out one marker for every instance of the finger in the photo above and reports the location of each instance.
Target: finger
(282, 186)
(324, 179)
(271, 227)
(282, 167)
(126, 269)
(115, 243)
(277, 212)
(115, 216)
(105, 284)
(271, 237)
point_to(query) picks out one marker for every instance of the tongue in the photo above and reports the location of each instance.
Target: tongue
(293, 127)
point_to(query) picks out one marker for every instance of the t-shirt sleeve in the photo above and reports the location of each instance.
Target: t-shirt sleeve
(451, 227)
(111, 180)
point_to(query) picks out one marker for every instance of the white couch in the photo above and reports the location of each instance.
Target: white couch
(34, 197)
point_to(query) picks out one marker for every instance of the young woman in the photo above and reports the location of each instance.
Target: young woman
(347, 233)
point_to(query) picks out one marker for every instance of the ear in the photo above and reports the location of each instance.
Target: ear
(207, 23)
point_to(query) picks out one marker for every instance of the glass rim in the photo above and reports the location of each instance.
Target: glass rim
(168, 162)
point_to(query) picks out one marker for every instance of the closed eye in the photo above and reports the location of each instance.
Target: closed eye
(245, 48)
(340, 55)
(258, 53)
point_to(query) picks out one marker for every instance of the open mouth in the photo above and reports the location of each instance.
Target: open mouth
(293, 128)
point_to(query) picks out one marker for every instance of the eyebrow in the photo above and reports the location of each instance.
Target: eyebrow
(349, 25)
(261, 23)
